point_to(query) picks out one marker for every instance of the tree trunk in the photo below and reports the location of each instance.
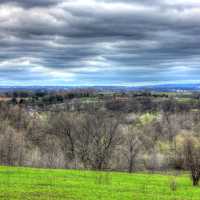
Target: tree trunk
(131, 166)
(195, 180)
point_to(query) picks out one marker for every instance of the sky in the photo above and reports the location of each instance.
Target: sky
(99, 42)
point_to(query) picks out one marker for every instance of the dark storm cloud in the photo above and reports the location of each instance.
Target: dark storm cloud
(32, 3)
(83, 42)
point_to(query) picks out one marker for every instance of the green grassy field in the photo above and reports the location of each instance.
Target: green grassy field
(37, 184)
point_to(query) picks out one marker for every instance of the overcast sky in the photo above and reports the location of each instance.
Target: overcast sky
(99, 42)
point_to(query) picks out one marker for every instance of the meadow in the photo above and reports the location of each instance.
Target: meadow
(44, 184)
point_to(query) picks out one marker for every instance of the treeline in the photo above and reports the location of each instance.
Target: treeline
(42, 98)
(88, 139)
(124, 102)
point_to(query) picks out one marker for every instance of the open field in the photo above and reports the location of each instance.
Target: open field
(27, 183)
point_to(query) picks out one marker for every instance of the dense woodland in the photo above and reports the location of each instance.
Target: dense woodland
(87, 129)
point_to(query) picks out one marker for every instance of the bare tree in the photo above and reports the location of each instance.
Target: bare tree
(192, 158)
(98, 137)
(11, 146)
(62, 125)
(132, 147)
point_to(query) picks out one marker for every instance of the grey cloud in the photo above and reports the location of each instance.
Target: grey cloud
(130, 38)
(31, 3)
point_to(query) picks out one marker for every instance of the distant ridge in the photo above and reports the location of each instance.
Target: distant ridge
(156, 88)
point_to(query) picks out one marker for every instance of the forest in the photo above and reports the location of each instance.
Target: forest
(104, 131)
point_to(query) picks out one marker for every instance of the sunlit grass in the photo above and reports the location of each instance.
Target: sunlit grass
(27, 183)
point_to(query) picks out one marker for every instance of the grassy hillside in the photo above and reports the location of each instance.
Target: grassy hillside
(25, 183)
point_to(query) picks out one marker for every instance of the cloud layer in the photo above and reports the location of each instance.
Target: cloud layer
(99, 42)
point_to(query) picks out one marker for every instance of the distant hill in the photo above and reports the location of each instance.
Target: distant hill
(156, 88)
